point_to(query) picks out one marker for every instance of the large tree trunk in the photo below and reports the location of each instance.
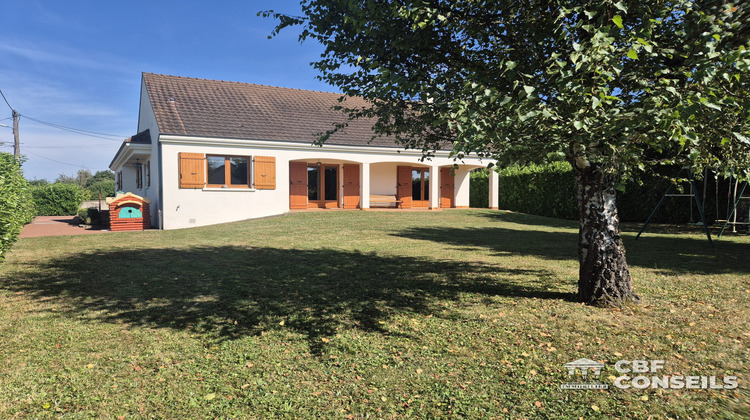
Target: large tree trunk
(604, 278)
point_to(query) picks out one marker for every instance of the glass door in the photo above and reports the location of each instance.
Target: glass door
(323, 186)
(420, 187)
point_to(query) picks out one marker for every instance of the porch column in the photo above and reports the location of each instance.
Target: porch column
(494, 193)
(364, 187)
(461, 188)
(434, 187)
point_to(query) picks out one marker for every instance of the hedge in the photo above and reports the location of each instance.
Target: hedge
(107, 188)
(58, 199)
(550, 190)
(16, 208)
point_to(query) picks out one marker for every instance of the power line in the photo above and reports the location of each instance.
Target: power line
(68, 146)
(6, 100)
(117, 137)
(57, 161)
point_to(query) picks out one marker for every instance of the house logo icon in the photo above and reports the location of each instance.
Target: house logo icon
(584, 365)
(588, 368)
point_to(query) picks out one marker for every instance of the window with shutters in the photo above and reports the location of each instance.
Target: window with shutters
(226, 171)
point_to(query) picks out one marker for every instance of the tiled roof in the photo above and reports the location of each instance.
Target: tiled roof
(144, 137)
(212, 108)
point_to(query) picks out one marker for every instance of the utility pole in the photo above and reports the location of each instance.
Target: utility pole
(16, 142)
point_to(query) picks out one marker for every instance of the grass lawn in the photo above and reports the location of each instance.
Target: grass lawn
(355, 314)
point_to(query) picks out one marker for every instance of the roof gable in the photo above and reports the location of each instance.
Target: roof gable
(212, 108)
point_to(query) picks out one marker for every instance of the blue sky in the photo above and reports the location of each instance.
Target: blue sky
(78, 64)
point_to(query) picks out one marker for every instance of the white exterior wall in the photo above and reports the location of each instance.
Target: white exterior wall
(199, 207)
(128, 179)
(147, 121)
(383, 178)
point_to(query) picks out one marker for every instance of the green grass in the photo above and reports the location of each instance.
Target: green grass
(355, 314)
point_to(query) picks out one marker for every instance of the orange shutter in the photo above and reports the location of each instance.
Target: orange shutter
(297, 185)
(265, 173)
(403, 188)
(351, 186)
(192, 170)
(447, 188)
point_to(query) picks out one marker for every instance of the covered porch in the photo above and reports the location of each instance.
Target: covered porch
(344, 184)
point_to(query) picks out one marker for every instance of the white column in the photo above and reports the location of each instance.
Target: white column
(494, 195)
(434, 187)
(364, 186)
(461, 188)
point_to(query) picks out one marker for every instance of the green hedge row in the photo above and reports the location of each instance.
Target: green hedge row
(16, 208)
(550, 190)
(58, 199)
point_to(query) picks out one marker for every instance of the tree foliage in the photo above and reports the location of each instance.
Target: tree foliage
(627, 84)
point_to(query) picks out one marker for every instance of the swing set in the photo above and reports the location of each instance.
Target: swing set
(738, 204)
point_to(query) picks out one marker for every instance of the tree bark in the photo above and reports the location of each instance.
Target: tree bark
(604, 278)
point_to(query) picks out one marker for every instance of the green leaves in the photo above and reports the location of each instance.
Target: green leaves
(640, 82)
(617, 19)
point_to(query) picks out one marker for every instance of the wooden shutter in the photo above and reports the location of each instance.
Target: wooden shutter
(447, 188)
(192, 170)
(297, 185)
(403, 188)
(265, 173)
(351, 186)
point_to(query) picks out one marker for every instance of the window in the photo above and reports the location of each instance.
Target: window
(420, 184)
(148, 173)
(138, 176)
(119, 180)
(227, 171)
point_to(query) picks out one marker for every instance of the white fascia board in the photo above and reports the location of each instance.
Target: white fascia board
(127, 152)
(280, 145)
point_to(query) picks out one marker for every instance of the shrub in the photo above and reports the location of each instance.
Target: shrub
(480, 188)
(90, 216)
(58, 199)
(15, 201)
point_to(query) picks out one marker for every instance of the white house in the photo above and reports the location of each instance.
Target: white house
(212, 151)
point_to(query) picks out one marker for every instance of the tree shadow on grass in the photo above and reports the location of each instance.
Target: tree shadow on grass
(230, 291)
(678, 254)
(529, 219)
